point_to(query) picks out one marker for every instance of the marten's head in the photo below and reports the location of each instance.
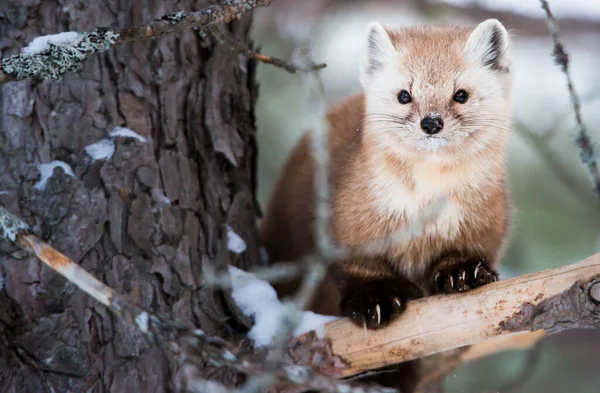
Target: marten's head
(440, 93)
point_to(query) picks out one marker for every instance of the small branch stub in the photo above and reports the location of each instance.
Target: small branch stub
(594, 292)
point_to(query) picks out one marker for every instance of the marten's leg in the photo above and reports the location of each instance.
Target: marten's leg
(460, 272)
(371, 293)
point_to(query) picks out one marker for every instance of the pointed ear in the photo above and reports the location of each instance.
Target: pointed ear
(488, 45)
(378, 52)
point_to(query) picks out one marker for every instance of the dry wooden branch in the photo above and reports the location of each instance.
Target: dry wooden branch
(55, 61)
(552, 300)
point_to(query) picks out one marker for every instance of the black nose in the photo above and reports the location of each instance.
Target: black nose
(432, 124)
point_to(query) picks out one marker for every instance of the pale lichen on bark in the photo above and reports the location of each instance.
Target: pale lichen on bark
(56, 60)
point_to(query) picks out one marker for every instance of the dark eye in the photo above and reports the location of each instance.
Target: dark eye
(461, 96)
(404, 97)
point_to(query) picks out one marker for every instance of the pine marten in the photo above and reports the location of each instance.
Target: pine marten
(433, 121)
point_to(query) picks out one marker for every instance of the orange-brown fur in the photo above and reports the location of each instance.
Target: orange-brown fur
(287, 230)
(385, 172)
(469, 171)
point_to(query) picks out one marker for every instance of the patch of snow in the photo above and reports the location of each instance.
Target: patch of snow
(205, 386)
(101, 150)
(126, 133)
(3, 192)
(229, 356)
(105, 148)
(312, 321)
(39, 44)
(46, 171)
(142, 321)
(159, 197)
(258, 299)
(234, 242)
(432, 144)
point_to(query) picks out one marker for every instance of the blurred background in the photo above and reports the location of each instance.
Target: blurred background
(557, 218)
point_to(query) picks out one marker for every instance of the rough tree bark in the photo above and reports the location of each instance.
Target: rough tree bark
(194, 103)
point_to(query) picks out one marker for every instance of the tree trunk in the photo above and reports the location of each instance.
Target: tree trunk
(143, 221)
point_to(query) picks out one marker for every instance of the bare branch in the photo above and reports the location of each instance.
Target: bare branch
(526, 303)
(56, 60)
(587, 153)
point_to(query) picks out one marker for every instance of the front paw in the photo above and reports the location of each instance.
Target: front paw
(375, 304)
(461, 274)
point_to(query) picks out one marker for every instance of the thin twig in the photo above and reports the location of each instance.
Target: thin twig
(236, 46)
(587, 153)
(315, 272)
(277, 272)
(56, 60)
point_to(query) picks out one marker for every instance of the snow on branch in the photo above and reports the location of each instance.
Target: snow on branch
(258, 299)
(50, 57)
